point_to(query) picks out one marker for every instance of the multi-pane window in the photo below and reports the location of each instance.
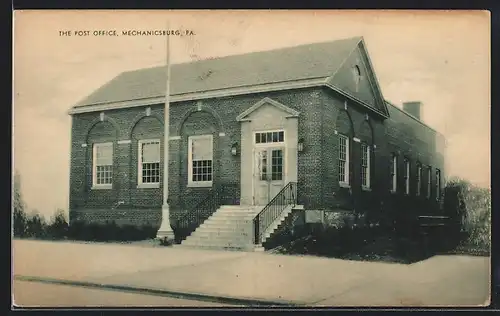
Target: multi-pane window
(277, 164)
(429, 179)
(200, 159)
(270, 137)
(394, 173)
(438, 184)
(343, 159)
(407, 176)
(419, 179)
(102, 169)
(365, 165)
(149, 162)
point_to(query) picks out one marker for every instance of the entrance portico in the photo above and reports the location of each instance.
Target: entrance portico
(269, 138)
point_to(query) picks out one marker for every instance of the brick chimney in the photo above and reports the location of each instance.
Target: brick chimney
(412, 108)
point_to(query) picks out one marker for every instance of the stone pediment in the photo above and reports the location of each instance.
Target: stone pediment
(244, 116)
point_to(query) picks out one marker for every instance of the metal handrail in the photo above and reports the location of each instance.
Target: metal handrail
(262, 221)
(199, 213)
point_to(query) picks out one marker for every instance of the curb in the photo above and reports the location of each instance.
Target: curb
(160, 292)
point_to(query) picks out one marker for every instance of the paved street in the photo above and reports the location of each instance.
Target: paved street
(34, 294)
(262, 277)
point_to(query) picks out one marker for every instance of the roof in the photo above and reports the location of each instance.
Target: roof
(393, 106)
(264, 67)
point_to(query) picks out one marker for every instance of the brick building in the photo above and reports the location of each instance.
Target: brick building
(248, 125)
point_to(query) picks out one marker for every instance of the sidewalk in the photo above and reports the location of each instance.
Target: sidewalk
(257, 278)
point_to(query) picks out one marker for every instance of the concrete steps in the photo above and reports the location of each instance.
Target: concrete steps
(231, 228)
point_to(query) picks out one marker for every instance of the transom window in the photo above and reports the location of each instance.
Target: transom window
(407, 176)
(200, 160)
(365, 165)
(394, 173)
(343, 159)
(102, 169)
(269, 137)
(419, 179)
(149, 162)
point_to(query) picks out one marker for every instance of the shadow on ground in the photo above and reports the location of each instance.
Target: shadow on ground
(388, 248)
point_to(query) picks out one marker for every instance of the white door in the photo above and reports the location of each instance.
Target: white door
(269, 175)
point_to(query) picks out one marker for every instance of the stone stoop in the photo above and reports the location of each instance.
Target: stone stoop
(229, 228)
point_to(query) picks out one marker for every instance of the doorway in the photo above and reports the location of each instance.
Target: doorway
(269, 175)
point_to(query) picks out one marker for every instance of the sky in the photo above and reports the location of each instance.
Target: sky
(440, 58)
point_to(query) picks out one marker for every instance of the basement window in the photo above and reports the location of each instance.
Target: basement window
(149, 163)
(102, 166)
(200, 160)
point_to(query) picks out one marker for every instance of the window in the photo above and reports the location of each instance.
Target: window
(149, 162)
(429, 179)
(270, 137)
(407, 176)
(277, 164)
(262, 165)
(365, 166)
(438, 184)
(102, 169)
(357, 77)
(343, 159)
(200, 153)
(419, 179)
(394, 173)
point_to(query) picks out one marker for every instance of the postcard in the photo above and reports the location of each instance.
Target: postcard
(233, 159)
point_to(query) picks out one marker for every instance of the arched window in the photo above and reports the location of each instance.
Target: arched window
(357, 77)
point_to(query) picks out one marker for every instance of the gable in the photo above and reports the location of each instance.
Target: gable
(356, 77)
(270, 106)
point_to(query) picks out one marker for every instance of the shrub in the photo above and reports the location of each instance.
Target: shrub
(166, 242)
(109, 231)
(470, 208)
(76, 230)
(58, 228)
(19, 222)
(36, 226)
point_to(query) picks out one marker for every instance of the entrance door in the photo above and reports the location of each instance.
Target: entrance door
(269, 176)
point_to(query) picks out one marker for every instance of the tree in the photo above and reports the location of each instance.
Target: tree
(36, 226)
(470, 208)
(19, 216)
(58, 228)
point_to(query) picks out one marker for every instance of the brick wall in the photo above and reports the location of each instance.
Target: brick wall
(400, 134)
(321, 114)
(214, 116)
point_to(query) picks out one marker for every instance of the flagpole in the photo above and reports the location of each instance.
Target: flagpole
(165, 231)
